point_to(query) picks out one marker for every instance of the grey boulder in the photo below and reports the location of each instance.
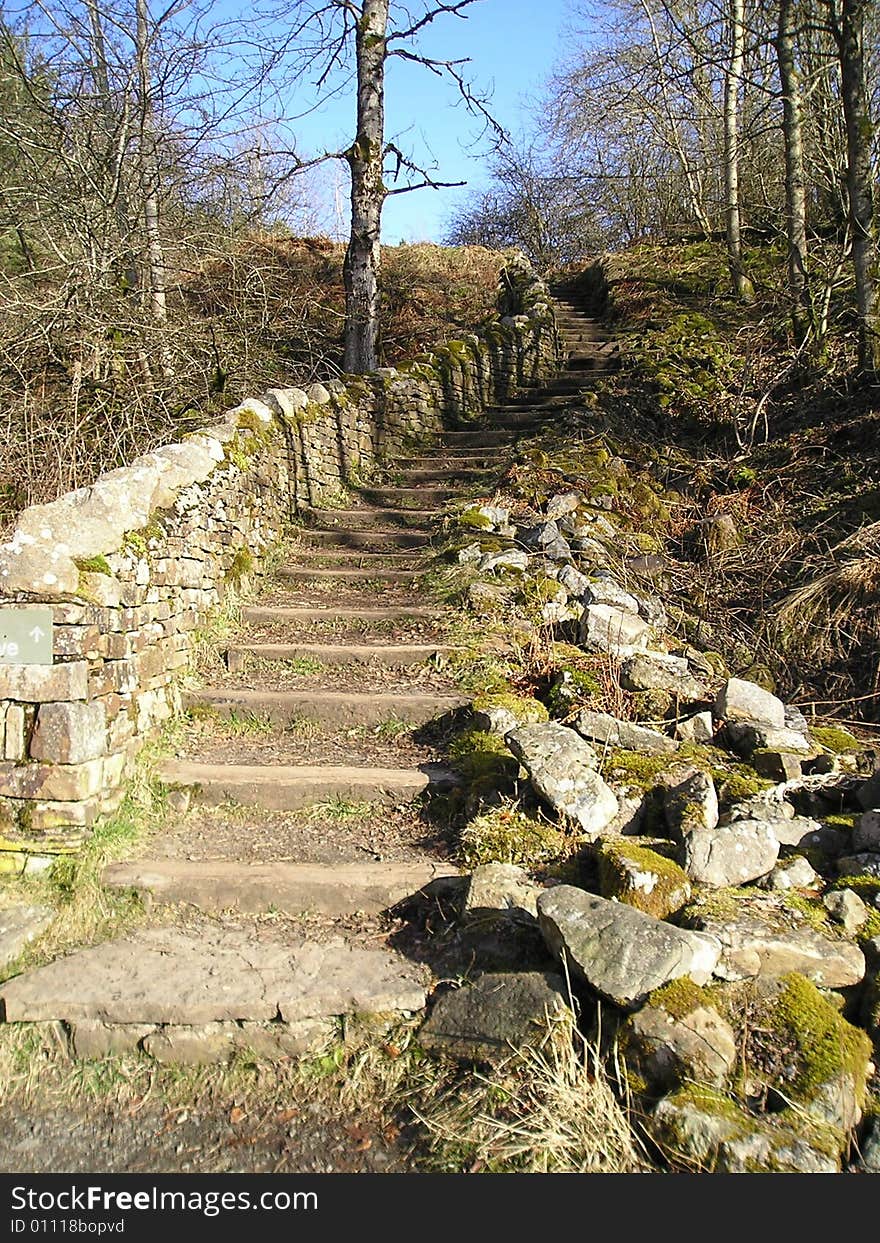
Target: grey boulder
(562, 769)
(620, 952)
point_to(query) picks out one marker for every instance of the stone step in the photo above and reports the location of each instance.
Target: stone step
(363, 558)
(372, 515)
(271, 614)
(291, 888)
(404, 496)
(473, 437)
(202, 995)
(440, 475)
(306, 573)
(488, 460)
(394, 655)
(287, 787)
(331, 707)
(372, 537)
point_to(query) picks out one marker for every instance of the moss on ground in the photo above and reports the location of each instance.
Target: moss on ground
(508, 835)
(679, 998)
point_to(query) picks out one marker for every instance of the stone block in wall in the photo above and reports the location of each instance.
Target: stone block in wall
(55, 782)
(14, 741)
(44, 683)
(120, 731)
(84, 642)
(191, 572)
(103, 589)
(114, 676)
(150, 664)
(68, 733)
(45, 817)
(117, 646)
(114, 770)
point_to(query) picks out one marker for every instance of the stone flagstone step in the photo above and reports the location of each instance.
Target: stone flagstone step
(291, 888)
(267, 614)
(309, 573)
(287, 787)
(394, 655)
(356, 557)
(442, 475)
(372, 515)
(370, 538)
(159, 976)
(403, 496)
(332, 707)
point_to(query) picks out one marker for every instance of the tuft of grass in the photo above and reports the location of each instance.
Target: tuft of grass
(304, 666)
(829, 615)
(246, 724)
(551, 1109)
(505, 834)
(392, 727)
(339, 810)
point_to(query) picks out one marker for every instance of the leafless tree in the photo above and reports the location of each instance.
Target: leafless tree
(346, 42)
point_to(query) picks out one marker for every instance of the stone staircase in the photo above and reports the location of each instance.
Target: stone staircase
(296, 782)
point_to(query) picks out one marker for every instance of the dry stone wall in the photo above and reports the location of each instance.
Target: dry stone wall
(132, 566)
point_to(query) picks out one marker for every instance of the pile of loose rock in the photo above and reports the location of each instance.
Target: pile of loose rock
(726, 904)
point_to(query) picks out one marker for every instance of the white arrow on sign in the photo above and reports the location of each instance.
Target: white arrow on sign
(37, 634)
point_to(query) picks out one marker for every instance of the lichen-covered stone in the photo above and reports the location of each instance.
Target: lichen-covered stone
(678, 1037)
(761, 934)
(495, 1016)
(620, 952)
(562, 768)
(630, 872)
(68, 733)
(690, 802)
(499, 890)
(846, 908)
(697, 728)
(604, 728)
(609, 629)
(654, 671)
(795, 872)
(709, 1132)
(729, 854)
(741, 700)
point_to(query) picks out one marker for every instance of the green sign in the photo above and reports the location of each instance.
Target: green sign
(25, 636)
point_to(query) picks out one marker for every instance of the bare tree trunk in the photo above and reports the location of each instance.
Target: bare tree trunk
(733, 73)
(849, 33)
(365, 158)
(692, 179)
(150, 172)
(117, 142)
(795, 186)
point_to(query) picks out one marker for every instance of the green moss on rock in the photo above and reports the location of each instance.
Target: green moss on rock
(836, 739)
(827, 1046)
(641, 878)
(680, 998)
(93, 565)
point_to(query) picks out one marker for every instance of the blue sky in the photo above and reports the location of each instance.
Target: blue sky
(513, 45)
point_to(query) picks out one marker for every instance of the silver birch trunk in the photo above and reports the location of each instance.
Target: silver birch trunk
(795, 185)
(116, 127)
(733, 73)
(365, 159)
(859, 177)
(149, 169)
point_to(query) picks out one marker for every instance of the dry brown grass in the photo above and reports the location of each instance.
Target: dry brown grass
(551, 1109)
